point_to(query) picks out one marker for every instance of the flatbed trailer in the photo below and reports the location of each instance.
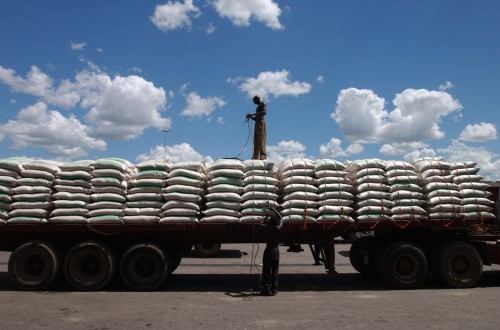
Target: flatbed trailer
(401, 253)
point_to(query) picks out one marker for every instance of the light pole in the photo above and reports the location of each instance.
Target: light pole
(165, 131)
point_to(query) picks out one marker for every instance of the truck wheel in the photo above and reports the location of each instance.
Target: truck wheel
(357, 256)
(89, 266)
(144, 267)
(207, 250)
(458, 264)
(403, 265)
(34, 265)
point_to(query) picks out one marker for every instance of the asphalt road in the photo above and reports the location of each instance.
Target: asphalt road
(216, 293)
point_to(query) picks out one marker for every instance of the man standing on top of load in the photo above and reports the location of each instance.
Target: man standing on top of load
(259, 137)
(271, 258)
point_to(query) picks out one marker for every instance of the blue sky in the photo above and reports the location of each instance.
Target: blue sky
(348, 79)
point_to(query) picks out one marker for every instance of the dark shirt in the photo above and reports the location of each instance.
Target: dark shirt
(273, 226)
(260, 111)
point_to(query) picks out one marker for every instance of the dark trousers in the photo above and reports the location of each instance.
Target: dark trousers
(270, 268)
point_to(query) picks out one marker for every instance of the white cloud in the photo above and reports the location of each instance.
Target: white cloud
(77, 45)
(320, 79)
(273, 84)
(479, 132)
(488, 162)
(122, 107)
(198, 106)
(210, 28)
(426, 152)
(333, 149)
(396, 149)
(445, 86)
(62, 137)
(119, 107)
(240, 12)
(285, 150)
(418, 113)
(177, 153)
(174, 15)
(220, 120)
(36, 82)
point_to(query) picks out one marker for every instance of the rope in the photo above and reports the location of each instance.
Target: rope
(248, 138)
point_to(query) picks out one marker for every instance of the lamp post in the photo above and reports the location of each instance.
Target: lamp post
(165, 131)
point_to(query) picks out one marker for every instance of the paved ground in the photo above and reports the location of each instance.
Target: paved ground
(215, 294)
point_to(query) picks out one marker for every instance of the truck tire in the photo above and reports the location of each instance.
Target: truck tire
(144, 267)
(34, 265)
(458, 264)
(403, 265)
(89, 266)
(207, 250)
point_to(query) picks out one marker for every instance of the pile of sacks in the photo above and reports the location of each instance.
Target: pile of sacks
(112, 190)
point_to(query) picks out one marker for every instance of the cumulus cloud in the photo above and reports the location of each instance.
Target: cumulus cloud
(122, 107)
(177, 153)
(488, 162)
(285, 150)
(397, 149)
(479, 132)
(198, 106)
(334, 149)
(117, 107)
(273, 84)
(36, 82)
(362, 117)
(174, 15)
(62, 137)
(241, 12)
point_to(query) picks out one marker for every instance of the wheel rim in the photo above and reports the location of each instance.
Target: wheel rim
(406, 267)
(34, 265)
(144, 266)
(89, 266)
(460, 265)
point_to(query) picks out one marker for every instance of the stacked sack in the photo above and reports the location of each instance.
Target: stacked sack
(145, 192)
(10, 169)
(225, 186)
(334, 191)
(475, 202)
(109, 190)
(183, 193)
(72, 188)
(298, 189)
(260, 190)
(371, 190)
(442, 197)
(31, 198)
(406, 194)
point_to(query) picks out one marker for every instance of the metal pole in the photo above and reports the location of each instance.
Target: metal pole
(165, 130)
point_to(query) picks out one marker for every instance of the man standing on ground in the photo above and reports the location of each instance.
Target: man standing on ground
(259, 137)
(271, 258)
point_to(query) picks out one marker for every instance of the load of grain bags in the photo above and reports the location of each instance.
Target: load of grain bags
(406, 194)
(72, 188)
(31, 197)
(109, 190)
(475, 202)
(10, 169)
(182, 195)
(371, 190)
(145, 192)
(225, 186)
(334, 191)
(260, 190)
(442, 198)
(298, 190)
